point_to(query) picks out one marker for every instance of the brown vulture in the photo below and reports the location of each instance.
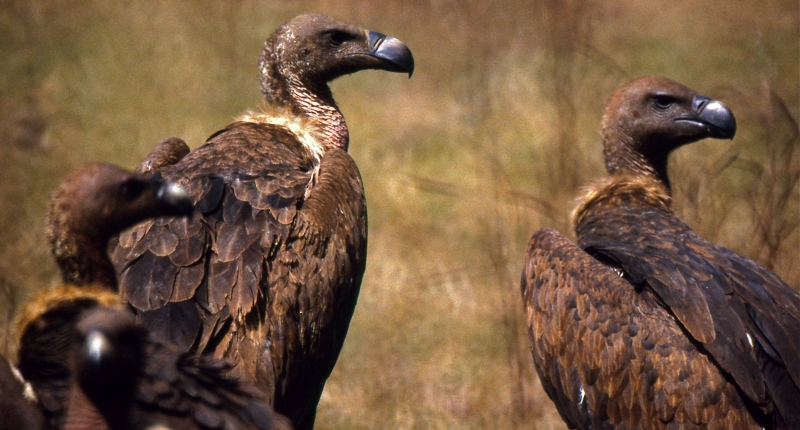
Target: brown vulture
(644, 324)
(88, 363)
(269, 275)
(91, 205)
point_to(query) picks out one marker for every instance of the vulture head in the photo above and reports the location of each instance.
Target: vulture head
(97, 201)
(651, 116)
(306, 53)
(303, 55)
(103, 199)
(107, 357)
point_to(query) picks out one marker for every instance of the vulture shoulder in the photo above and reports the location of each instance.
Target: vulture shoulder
(269, 273)
(610, 356)
(744, 316)
(168, 152)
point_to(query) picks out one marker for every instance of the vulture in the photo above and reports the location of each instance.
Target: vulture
(268, 275)
(643, 323)
(91, 205)
(89, 364)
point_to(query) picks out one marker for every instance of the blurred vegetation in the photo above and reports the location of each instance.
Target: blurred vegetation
(490, 140)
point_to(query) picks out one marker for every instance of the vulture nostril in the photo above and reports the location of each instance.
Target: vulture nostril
(700, 103)
(375, 39)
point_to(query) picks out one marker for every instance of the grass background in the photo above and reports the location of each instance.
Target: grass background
(491, 139)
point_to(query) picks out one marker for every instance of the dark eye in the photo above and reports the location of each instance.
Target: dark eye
(663, 102)
(336, 38)
(132, 189)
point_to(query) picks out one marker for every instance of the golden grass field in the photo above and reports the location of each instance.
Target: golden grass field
(490, 140)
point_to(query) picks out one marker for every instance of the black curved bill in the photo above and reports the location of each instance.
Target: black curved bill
(716, 116)
(394, 53)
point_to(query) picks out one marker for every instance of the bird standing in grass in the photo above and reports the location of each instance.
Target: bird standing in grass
(269, 274)
(644, 324)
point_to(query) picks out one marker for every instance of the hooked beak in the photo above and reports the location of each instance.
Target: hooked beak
(392, 52)
(714, 116)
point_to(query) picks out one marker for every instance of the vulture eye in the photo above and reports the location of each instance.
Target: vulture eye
(336, 38)
(663, 102)
(132, 189)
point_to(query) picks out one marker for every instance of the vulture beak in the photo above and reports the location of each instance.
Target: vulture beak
(394, 54)
(174, 197)
(713, 116)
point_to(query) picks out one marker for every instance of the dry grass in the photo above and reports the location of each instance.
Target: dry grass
(489, 141)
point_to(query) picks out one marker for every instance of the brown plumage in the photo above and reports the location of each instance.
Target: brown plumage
(645, 324)
(168, 152)
(269, 275)
(91, 204)
(89, 363)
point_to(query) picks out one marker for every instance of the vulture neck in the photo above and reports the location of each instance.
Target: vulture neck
(626, 158)
(621, 190)
(284, 90)
(82, 261)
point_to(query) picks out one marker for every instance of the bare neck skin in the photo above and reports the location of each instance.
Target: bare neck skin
(283, 88)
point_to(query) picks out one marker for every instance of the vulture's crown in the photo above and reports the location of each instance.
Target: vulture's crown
(649, 117)
(303, 55)
(94, 203)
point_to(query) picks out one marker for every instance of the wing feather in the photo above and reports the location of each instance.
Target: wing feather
(148, 283)
(708, 288)
(221, 280)
(189, 249)
(264, 252)
(165, 243)
(184, 227)
(232, 240)
(144, 239)
(249, 273)
(131, 236)
(189, 278)
(177, 324)
(608, 354)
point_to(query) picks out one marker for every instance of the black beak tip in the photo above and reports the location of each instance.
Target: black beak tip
(719, 118)
(397, 57)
